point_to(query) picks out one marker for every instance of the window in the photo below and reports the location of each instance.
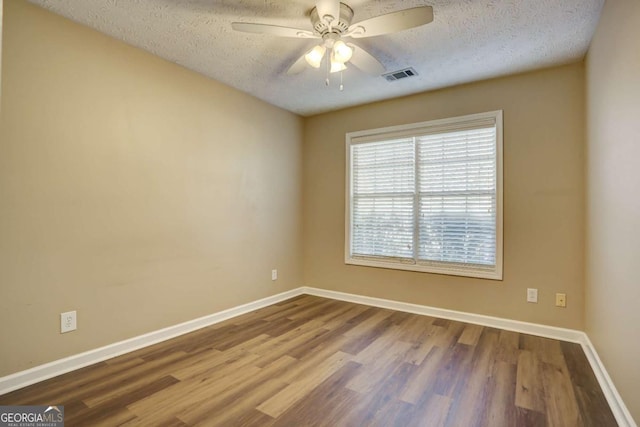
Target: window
(427, 196)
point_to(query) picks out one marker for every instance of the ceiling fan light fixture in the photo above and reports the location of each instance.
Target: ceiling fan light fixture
(341, 52)
(315, 55)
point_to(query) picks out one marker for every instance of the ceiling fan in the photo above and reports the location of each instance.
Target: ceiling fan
(331, 22)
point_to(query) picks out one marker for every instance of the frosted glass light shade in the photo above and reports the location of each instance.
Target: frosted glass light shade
(314, 56)
(342, 52)
(337, 66)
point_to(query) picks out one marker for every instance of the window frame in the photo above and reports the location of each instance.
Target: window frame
(414, 130)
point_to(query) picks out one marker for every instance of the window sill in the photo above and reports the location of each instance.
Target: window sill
(450, 270)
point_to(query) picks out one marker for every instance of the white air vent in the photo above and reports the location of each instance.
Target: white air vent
(400, 74)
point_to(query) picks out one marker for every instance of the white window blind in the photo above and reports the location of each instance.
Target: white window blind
(383, 198)
(427, 197)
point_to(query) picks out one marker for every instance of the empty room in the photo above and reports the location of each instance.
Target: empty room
(320, 213)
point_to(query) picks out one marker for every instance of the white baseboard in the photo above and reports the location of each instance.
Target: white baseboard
(58, 367)
(619, 409)
(563, 334)
(71, 363)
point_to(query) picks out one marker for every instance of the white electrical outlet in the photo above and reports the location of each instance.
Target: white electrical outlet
(532, 295)
(274, 274)
(68, 322)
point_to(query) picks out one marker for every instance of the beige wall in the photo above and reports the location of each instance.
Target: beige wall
(131, 190)
(1, 20)
(543, 199)
(613, 196)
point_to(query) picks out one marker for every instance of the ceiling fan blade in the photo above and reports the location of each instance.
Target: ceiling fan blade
(275, 30)
(365, 61)
(328, 7)
(392, 22)
(297, 67)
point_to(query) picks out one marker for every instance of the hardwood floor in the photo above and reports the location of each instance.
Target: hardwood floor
(312, 361)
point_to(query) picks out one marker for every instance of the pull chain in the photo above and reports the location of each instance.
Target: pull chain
(341, 85)
(326, 82)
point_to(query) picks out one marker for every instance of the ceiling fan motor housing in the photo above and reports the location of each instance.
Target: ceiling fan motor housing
(327, 24)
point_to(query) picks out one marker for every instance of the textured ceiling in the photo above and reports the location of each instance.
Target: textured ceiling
(469, 40)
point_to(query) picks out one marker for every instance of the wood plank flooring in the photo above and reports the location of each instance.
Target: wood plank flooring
(311, 361)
